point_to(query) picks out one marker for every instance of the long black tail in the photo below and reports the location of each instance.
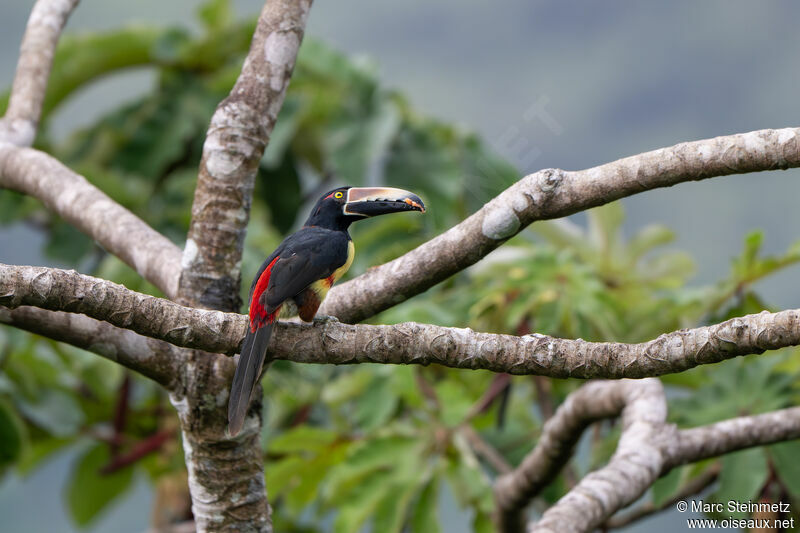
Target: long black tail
(248, 370)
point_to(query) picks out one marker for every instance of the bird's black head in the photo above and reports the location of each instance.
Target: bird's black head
(338, 208)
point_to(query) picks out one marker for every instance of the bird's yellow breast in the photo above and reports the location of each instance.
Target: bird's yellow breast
(342, 270)
(322, 286)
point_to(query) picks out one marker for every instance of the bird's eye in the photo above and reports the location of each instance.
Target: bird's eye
(338, 195)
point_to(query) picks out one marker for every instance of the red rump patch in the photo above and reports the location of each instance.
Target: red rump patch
(258, 313)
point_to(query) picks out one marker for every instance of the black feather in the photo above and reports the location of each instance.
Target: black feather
(248, 370)
(304, 257)
(307, 256)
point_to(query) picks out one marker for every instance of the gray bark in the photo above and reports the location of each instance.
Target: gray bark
(47, 19)
(554, 193)
(226, 475)
(641, 401)
(238, 133)
(333, 342)
(648, 448)
(142, 332)
(90, 210)
(152, 358)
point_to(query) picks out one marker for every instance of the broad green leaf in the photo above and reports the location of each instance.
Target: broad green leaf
(281, 191)
(390, 515)
(482, 523)
(15, 206)
(649, 238)
(382, 453)
(215, 14)
(88, 491)
(469, 484)
(455, 401)
(604, 225)
(283, 475)
(376, 405)
(785, 457)
(81, 59)
(67, 244)
(302, 438)
(362, 502)
(666, 486)
(38, 451)
(55, 411)
(11, 436)
(348, 385)
(743, 475)
(310, 476)
(424, 517)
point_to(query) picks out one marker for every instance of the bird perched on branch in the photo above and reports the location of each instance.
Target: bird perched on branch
(298, 274)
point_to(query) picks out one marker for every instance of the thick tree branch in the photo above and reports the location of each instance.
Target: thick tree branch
(554, 193)
(693, 487)
(643, 401)
(66, 290)
(633, 468)
(237, 136)
(728, 436)
(648, 448)
(33, 69)
(90, 210)
(332, 342)
(226, 475)
(152, 358)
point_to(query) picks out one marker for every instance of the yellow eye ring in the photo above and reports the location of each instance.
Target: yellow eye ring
(338, 195)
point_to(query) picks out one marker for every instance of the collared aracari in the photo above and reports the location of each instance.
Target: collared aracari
(298, 274)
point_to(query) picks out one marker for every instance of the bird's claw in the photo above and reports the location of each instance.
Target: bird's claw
(323, 319)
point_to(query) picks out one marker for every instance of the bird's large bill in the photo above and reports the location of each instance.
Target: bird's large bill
(371, 201)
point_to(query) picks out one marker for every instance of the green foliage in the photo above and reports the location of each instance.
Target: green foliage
(665, 487)
(367, 445)
(743, 476)
(784, 459)
(12, 436)
(89, 491)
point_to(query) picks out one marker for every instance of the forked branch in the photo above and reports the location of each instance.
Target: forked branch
(33, 69)
(86, 207)
(238, 133)
(648, 448)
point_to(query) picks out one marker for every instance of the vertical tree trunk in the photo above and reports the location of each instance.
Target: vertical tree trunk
(226, 475)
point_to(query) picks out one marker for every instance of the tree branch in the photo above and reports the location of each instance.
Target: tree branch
(90, 210)
(642, 400)
(226, 474)
(47, 19)
(713, 440)
(332, 342)
(150, 357)
(693, 487)
(486, 450)
(648, 448)
(554, 193)
(237, 136)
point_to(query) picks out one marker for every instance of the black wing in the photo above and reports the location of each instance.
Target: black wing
(309, 255)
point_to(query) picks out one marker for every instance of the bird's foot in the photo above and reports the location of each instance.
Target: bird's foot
(323, 319)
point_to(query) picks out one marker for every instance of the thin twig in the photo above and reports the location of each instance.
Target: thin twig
(486, 450)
